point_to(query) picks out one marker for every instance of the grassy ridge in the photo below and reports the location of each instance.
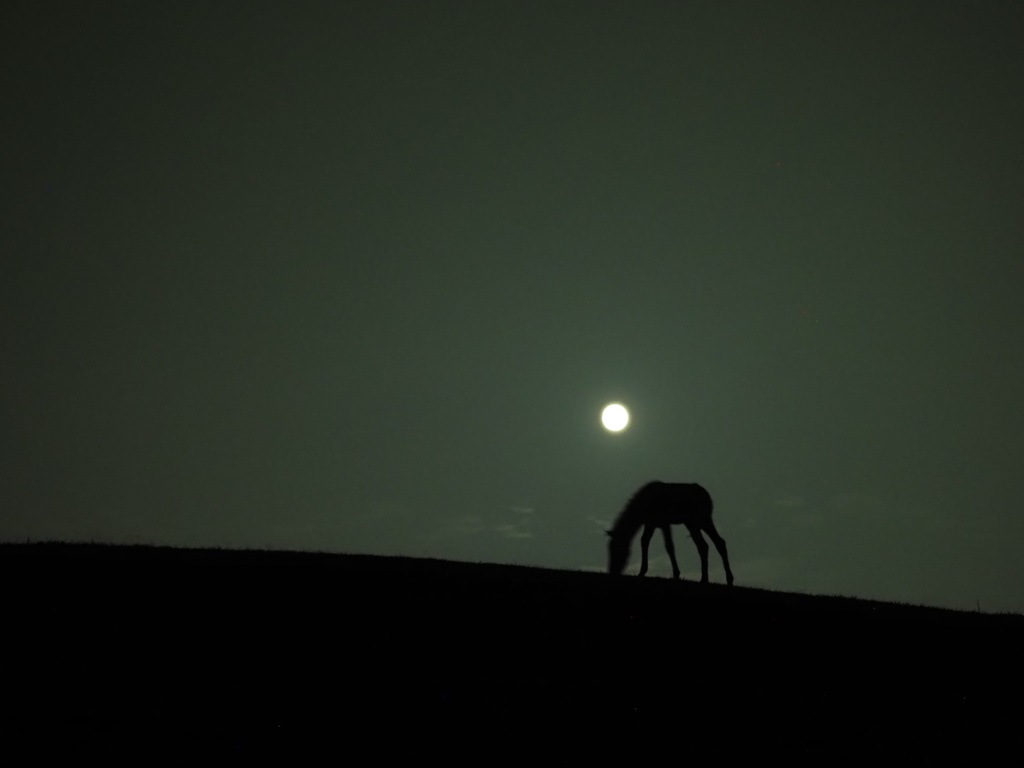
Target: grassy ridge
(258, 650)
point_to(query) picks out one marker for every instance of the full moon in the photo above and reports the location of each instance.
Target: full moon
(614, 417)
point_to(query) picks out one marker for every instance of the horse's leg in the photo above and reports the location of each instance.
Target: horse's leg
(702, 550)
(719, 543)
(670, 547)
(645, 541)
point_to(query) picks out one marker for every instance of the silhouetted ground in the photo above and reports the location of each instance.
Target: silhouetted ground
(147, 650)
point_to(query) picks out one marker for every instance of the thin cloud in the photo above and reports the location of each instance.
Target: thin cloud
(510, 531)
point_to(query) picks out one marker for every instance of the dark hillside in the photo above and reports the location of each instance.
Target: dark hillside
(111, 648)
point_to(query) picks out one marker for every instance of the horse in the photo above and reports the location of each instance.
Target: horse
(662, 505)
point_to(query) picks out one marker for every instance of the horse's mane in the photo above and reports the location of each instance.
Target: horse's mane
(630, 518)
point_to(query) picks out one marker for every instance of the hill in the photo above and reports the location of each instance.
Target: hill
(112, 648)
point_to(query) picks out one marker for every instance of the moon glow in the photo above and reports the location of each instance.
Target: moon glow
(615, 417)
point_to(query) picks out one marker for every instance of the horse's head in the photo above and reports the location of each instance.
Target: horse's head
(618, 553)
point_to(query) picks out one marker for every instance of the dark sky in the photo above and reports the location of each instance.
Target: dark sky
(359, 277)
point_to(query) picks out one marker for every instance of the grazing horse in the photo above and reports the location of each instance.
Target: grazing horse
(662, 505)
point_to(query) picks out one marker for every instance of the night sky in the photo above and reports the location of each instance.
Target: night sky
(359, 277)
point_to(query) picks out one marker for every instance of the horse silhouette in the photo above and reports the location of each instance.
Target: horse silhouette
(662, 505)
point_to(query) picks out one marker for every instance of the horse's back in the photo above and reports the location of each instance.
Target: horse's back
(685, 503)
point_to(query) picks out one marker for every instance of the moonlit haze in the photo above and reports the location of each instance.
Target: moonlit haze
(359, 277)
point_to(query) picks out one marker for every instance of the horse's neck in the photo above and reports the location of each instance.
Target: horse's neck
(629, 523)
